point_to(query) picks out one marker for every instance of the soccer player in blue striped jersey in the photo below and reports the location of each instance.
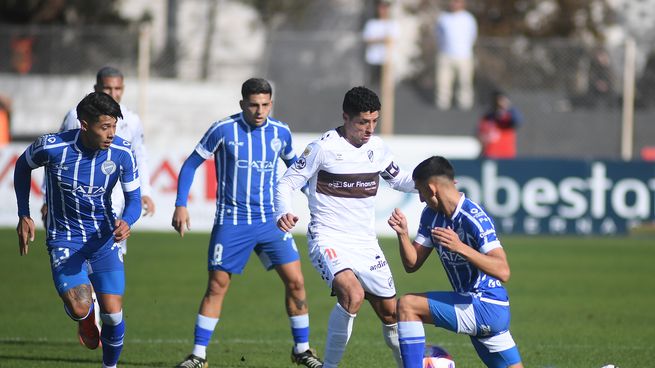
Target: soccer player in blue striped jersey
(82, 167)
(246, 147)
(465, 240)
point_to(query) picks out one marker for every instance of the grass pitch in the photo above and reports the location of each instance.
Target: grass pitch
(576, 302)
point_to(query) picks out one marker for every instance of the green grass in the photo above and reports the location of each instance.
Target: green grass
(576, 302)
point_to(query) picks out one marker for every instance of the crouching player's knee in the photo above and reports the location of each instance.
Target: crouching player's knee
(78, 301)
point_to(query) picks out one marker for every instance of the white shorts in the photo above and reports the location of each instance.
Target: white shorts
(365, 260)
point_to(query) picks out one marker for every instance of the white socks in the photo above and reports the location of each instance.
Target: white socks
(390, 333)
(340, 326)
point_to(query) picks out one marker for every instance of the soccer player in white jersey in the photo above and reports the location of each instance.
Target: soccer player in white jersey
(343, 168)
(82, 167)
(110, 81)
(465, 240)
(246, 147)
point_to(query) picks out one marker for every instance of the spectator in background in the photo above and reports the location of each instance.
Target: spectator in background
(456, 32)
(5, 113)
(601, 84)
(377, 34)
(597, 82)
(497, 128)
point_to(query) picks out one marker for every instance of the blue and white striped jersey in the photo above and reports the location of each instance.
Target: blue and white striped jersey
(79, 183)
(246, 160)
(474, 228)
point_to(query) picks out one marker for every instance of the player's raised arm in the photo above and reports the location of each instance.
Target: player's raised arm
(412, 254)
(181, 221)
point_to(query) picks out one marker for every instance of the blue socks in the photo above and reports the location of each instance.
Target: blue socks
(113, 331)
(412, 343)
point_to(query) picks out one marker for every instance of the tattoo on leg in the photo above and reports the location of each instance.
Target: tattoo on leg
(80, 294)
(301, 304)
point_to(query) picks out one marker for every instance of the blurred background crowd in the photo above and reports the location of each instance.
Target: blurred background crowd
(576, 72)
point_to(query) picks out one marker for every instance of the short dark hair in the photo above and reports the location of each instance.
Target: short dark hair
(107, 72)
(255, 86)
(95, 104)
(360, 99)
(433, 166)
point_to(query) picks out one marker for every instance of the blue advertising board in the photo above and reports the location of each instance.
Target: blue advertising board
(582, 197)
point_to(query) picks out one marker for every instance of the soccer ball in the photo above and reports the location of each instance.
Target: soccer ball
(437, 357)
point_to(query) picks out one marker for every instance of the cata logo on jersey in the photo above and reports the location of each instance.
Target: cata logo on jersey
(259, 165)
(83, 190)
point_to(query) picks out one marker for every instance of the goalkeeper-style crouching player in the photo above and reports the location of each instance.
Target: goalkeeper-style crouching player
(82, 166)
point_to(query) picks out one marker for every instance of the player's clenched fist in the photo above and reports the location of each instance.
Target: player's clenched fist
(398, 222)
(287, 221)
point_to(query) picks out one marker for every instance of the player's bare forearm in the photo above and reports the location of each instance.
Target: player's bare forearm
(408, 254)
(494, 263)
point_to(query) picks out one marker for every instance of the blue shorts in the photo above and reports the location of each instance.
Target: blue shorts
(230, 246)
(70, 265)
(486, 321)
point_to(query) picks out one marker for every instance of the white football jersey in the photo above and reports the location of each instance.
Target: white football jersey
(343, 182)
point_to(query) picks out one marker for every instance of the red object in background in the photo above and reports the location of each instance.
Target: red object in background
(21, 54)
(648, 153)
(4, 127)
(497, 141)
